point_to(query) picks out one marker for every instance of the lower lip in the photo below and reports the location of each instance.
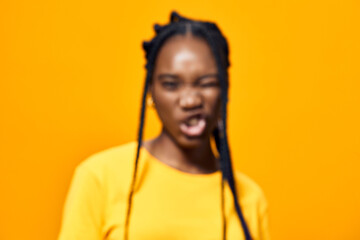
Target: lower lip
(193, 131)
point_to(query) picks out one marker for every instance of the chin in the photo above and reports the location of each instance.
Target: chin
(191, 142)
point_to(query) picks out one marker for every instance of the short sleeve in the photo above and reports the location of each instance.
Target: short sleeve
(84, 207)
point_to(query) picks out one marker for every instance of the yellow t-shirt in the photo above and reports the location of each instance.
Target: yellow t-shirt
(167, 203)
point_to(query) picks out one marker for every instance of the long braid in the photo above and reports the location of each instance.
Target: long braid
(151, 48)
(216, 135)
(224, 148)
(232, 184)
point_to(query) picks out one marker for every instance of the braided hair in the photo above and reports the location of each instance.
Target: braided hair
(180, 25)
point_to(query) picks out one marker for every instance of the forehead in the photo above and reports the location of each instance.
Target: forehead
(185, 52)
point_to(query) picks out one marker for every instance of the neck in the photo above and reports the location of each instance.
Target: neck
(199, 160)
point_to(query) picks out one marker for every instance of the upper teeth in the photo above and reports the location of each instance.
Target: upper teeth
(193, 121)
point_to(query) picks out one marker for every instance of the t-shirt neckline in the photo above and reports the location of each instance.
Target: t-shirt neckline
(152, 158)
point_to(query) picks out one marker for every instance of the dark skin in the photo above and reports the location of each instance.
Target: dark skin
(185, 83)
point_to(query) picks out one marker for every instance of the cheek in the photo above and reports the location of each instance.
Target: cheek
(165, 106)
(213, 98)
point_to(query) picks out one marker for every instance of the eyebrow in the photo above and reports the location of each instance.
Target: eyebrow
(174, 76)
(208, 75)
(165, 75)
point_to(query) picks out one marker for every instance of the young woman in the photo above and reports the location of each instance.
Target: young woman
(177, 185)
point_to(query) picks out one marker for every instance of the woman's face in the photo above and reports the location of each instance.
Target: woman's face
(185, 89)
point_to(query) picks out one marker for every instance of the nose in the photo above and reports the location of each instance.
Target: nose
(190, 99)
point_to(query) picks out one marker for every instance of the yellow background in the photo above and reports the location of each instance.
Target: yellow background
(71, 79)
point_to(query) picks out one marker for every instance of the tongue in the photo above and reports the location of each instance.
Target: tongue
(194, 130)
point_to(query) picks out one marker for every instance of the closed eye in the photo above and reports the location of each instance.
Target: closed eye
(208, 80)
(210, 84)
(170, 85)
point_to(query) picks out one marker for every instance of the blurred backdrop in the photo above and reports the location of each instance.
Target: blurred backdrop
(71, 77)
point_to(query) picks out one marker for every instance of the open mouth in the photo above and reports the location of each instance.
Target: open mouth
(193, 126)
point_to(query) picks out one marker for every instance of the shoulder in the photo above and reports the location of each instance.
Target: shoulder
(254, 204)
(111, 156)
(111, 161)
(246, 183)
(97, 180)
(249, 191)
